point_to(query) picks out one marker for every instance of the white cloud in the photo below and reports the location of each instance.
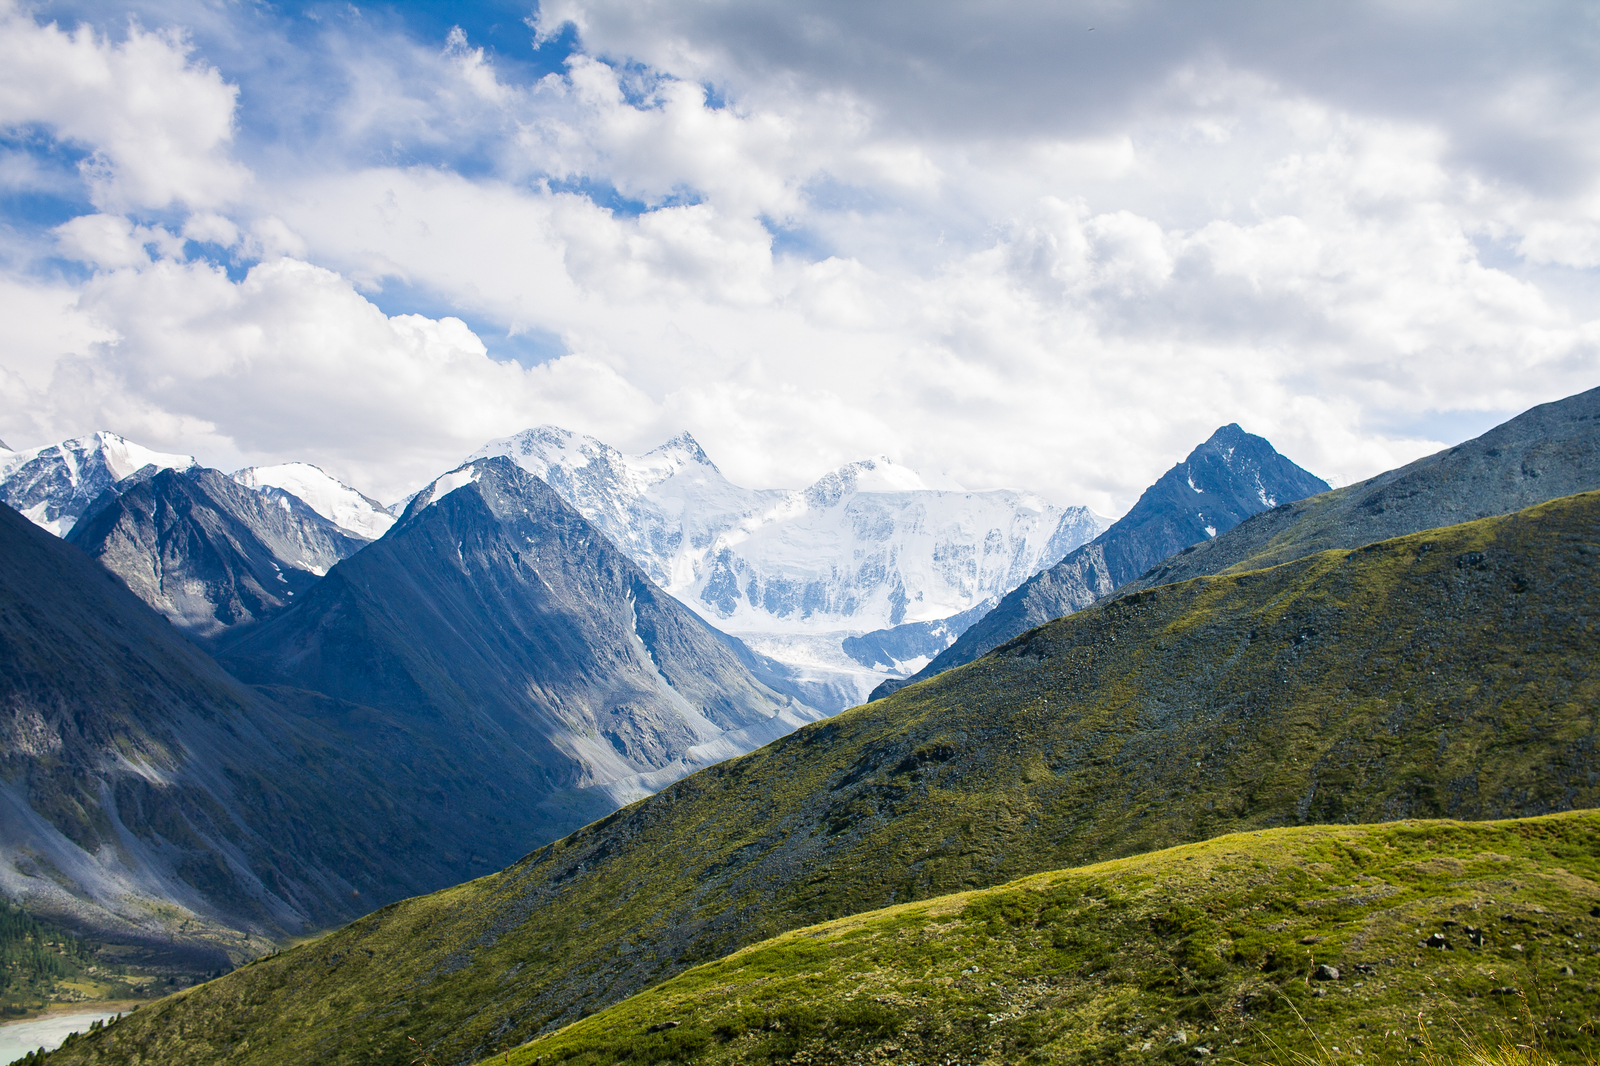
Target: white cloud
(158, 125)
(1022, 257)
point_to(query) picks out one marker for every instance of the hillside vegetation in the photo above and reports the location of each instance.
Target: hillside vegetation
(1326, 942)
(1449, 673)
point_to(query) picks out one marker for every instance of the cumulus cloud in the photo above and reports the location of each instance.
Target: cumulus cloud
(157, 123)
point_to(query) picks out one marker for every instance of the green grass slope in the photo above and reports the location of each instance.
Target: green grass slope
(1212, 948)
(1446, 674)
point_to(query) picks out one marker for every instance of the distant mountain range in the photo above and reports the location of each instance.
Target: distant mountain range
(52, 486)
(802, 575)
(1228, 478)
(868, 547)
(488, 675)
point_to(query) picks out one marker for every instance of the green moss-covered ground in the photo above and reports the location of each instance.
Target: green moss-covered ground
(1451, 673)
(1206, 950)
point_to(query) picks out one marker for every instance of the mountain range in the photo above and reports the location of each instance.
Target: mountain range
(1445, 673)
(488, 675)
(866, 548)
(866, 573)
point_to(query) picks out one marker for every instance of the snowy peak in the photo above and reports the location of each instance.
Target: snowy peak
(467, 473)
(350, 510)
(679, 452)
(53, 485)
(879, 474)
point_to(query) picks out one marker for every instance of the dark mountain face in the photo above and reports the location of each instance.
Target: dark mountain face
(207, 552)
(1447, 674)
(496, 619)
(1230, 477)
(148, 795)
(1546, 452)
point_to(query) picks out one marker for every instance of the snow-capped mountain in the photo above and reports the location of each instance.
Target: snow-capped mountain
(354, 512)
(868, 547)
(53, 485)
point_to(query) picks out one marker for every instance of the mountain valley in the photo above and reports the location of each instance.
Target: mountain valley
(1318, 680)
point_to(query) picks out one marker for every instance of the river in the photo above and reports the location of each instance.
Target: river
(19, 1038)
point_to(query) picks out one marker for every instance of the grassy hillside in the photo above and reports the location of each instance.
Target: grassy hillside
(1213, 947)
(1451, 673)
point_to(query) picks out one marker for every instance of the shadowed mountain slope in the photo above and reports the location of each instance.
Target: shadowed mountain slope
(206, 551)
(1546, 452)
(1450, 673)
(1231, 476)
(148, 795)
(496, 618)
(1205, 949)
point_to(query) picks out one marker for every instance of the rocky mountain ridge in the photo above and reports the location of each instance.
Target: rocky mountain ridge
(151, 798)
(52, 486)
(204, 550)
(1548, 451)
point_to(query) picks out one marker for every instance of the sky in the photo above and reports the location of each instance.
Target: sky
(1038, 245)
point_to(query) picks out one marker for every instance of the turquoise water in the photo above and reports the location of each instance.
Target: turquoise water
(19, 1038)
